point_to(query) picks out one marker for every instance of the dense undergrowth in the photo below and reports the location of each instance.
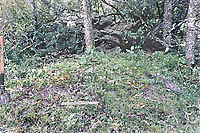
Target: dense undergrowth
(126, 92)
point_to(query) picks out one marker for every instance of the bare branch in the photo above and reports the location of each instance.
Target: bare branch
(104, 1)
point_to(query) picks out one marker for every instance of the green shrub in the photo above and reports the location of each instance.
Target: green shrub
(37, 28)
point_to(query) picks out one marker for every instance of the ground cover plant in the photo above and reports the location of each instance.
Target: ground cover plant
(127, 92)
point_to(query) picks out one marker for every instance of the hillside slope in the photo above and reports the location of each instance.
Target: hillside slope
(103, 93)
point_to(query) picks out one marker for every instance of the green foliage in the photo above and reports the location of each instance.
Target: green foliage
(141, 15)
(129, 101)
(144, 19)
(37, 28)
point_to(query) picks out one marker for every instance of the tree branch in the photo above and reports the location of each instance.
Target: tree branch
(105, 2)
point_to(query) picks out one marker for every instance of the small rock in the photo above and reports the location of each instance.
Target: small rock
(4, 98)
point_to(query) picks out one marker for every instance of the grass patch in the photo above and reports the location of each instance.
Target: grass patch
(129, 100)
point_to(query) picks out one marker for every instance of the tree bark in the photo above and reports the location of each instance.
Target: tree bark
(89, 36)
(167, 23)
(191, 31)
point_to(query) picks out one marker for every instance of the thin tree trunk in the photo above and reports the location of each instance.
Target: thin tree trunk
(191, 31)
(167, 23)
(89, 36)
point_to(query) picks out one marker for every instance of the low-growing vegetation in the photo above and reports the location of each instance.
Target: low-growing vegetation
(127, 92)
(119, 66)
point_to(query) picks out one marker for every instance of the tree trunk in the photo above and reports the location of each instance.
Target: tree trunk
(191, 31)
(89, 37)
(167, 24)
